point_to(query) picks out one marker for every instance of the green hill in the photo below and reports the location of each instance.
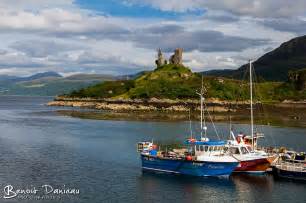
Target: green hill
(178, 82)
(274, 65)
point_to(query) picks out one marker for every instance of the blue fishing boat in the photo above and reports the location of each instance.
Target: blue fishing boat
(201, 157)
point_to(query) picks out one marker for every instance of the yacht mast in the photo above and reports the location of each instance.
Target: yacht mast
(251, 94)
(201, 100)
(201, 97)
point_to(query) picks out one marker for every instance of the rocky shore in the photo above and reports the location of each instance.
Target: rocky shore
(124, 105)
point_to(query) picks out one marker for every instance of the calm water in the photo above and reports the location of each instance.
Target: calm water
(38, 146)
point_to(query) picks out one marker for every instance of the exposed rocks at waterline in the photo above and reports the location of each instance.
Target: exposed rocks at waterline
(213, 105)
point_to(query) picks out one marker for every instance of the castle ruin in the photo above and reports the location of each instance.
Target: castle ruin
(160, 59)
(176, 58)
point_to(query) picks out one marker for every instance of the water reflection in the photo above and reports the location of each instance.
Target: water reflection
(184, 188)
(253, 187)
(237, 187)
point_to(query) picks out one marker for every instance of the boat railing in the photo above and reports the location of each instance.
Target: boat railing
(297, 165)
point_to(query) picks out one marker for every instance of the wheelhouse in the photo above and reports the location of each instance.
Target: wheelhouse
(206, 147)
(238, 150)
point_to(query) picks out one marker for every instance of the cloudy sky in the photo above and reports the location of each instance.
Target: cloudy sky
(121, 36)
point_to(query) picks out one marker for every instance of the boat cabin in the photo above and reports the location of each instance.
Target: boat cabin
(238, 149)
(247, 139)
(205, 147)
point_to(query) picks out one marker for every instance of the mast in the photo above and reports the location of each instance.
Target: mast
(251, 105)
(201, 100)
(201, 97)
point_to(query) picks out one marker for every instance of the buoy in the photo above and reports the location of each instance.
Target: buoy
(188, 158)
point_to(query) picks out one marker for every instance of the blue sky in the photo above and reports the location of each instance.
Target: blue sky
(121, 37)
(119, 8)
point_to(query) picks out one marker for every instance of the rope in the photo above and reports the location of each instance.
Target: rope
(212, 121)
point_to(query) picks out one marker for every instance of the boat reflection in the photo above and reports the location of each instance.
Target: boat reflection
(253, 187)
(237, 187)
(184, 188)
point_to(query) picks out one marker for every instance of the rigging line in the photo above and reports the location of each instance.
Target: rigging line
(211, 121)
(262, 108)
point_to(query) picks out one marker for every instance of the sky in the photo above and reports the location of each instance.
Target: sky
(121, 36)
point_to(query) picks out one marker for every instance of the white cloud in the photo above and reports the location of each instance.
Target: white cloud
(56, 35)
(257, 8)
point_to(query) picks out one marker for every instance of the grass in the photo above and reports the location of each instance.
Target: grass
(178, 82)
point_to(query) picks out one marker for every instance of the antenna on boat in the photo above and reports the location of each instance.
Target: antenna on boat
(230, 127)
(191, 136)
(251, 104)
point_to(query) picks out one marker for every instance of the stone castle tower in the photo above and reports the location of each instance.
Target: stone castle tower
(177, 57)
(160, 59)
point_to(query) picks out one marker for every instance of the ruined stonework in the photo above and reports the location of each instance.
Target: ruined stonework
(298, 78)
(177, 57)
(160, 59)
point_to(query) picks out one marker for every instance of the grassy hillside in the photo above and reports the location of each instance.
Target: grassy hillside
(274, 65)
(178, 82)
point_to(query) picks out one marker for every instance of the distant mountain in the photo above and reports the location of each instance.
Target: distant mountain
(83, 76)
(7, 77)
(43, 75)
(274, 65)
(48, 83)
(132, 76)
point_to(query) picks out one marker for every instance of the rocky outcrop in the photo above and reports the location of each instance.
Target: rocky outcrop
(177, 57)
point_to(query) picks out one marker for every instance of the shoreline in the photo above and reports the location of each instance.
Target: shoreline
(149, 105)
(164, 105)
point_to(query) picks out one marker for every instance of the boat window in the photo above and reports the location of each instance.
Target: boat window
(243, 150)
(210, 149)
(206, 148)
(202, 148)
(225, 149)
(234, 150)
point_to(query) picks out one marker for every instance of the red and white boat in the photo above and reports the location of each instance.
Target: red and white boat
(251, 161)
(244, 147)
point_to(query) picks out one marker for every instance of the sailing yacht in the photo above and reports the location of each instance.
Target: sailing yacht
(244, 147)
